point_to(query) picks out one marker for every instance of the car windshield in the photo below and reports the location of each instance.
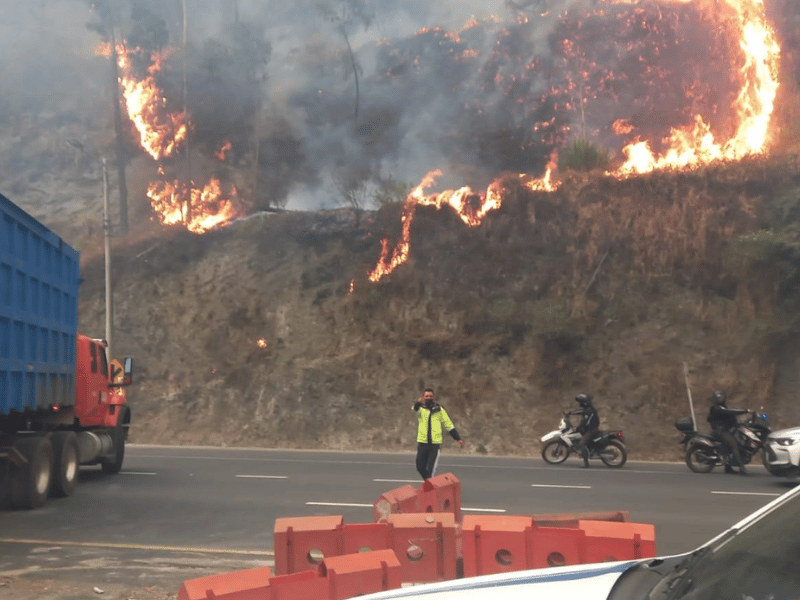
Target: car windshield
(759, 562)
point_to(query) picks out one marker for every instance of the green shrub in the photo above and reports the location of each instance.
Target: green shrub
(760, 247)
(391, 191)
(583, 155)
(549, 316)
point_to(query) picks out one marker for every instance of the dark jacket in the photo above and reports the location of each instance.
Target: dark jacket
(590, 419)
(722, 417)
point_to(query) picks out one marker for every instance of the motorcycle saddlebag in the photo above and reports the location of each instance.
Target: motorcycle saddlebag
(684, 424)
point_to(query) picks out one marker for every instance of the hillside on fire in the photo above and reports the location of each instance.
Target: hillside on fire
(320, 209)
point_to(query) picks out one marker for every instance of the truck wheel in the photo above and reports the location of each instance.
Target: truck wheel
(65, 463)
(30, 483)
(113, 464)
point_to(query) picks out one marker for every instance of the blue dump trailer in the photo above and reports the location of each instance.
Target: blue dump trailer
(61, 403)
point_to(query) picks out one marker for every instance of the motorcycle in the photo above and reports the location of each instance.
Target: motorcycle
(704, 452)
(608, 446)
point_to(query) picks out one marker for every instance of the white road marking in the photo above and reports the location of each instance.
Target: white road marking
(338, 504)
(135, 473)
(746, 493)
(574, 487)
(399, 480)
(263, 476)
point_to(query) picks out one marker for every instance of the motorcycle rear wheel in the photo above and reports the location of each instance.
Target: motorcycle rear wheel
(555, 452)
(699, 459)
(613, 455)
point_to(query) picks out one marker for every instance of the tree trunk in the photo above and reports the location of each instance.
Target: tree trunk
(355, 70)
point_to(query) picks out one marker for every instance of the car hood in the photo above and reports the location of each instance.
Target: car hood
(588, 582)
(792, 432)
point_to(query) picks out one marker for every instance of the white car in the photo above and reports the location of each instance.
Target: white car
(782, 452)
(756, 559)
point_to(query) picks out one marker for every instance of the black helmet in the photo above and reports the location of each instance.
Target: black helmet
(719, 397)
(583, 399)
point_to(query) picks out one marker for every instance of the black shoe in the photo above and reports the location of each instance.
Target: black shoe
(585, 464)
(729, 469)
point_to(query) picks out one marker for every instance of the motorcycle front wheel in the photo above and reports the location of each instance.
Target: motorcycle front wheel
(555, 452)
(700, 459)
(614, 454)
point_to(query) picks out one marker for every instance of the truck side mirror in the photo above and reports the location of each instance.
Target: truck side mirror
(128, 370)
(121, 374)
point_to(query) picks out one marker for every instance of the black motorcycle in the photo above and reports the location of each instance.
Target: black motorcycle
(704, 452)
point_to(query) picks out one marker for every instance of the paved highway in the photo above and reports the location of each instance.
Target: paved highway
(176, 513)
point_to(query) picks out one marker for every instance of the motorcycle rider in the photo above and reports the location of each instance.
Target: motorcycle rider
(723, 422)
(588, 427)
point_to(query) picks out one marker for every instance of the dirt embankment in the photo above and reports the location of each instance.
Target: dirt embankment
(268, 333)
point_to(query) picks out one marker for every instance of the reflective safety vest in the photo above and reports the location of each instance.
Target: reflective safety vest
(429, 430)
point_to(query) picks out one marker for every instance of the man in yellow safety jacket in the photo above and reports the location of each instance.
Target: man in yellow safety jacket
(431, 417)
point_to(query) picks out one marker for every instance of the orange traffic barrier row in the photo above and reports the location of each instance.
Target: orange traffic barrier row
(499, 543)
(426, 544)
(335, 578)
(419, 536)
(437, 494)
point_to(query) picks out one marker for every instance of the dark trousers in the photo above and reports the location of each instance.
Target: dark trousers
(726, 437)
(427, 459)
(585, 439)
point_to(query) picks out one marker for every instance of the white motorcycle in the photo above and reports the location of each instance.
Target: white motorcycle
(608, 446)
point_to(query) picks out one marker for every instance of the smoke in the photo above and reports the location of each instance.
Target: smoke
(473, 88)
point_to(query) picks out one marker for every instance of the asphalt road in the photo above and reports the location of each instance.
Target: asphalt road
(178, 513)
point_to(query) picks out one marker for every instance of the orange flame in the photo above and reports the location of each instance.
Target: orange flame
(209, 208)
(220, 154)
(261, 343)
(160, 132)
(468, 205)
(692, 147)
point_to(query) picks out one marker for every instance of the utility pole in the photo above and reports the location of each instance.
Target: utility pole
(121, 153)
(107, 234)
(188, 175)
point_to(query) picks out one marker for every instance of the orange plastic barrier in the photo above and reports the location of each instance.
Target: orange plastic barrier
(571, 519)
(618, 541)
(557, 547)
(441, 494)
(251, 584)
(306, 585)
(354, 575)
(399, 500)
(425, 545)
(496, 544)
(364, 537)
(302, 542)
(339, 577)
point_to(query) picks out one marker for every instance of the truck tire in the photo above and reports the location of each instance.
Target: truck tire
(65, 463)
(113, 463)
(30, 483)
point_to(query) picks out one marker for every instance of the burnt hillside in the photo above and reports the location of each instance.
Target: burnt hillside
(606, 286)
